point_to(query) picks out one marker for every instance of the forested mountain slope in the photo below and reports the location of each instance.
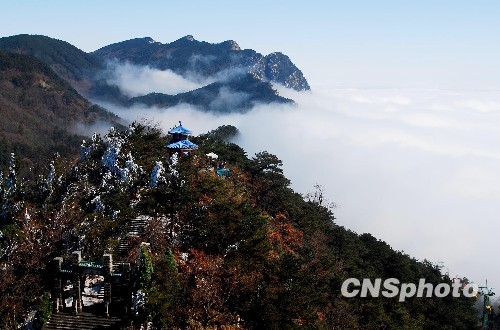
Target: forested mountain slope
(237, 251)
(41, 114)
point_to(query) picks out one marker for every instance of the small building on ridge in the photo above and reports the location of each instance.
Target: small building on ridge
(180, 140)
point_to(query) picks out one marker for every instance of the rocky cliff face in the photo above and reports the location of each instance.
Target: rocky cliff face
(188, 56)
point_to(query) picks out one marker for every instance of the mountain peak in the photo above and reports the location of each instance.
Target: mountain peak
(188, 38)
(150, 40)
(231, 44)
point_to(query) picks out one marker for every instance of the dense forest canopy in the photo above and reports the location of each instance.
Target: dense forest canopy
(242, 250)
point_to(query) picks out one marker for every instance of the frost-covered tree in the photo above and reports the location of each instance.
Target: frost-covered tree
(87, 148)
(158, 174)
(1, 185)
(11, 179)
(130, 172)
(97, 203)
(9, 207)
(172, 166)
(107, 182)
(47, 184)
(51, 175)
(113, 142)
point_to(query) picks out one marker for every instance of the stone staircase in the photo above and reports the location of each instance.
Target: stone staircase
(100, 294)
(84, 321)
(136, 229)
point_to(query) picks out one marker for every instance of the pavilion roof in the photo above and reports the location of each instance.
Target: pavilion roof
(183, 144)
(180, 130)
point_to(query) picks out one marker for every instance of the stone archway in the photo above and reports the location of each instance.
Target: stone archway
(91, 285)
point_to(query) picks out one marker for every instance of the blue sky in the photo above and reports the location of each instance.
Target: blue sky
(406, 97)
(358, 43)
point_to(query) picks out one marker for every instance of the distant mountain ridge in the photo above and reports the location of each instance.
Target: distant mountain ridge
(218, 96)
(187, 55)
(89, 75)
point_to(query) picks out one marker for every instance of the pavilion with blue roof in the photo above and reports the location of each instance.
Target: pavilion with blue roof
(180, 139)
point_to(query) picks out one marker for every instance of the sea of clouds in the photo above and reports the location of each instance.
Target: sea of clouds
(417, 168)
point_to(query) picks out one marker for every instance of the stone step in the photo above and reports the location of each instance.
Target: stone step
(136, 228)
(100, 294)
(81, 321)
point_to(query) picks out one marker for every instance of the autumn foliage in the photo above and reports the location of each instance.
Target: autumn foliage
(242, 251)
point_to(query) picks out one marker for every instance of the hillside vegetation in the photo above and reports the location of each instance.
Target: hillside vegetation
(70, 63)
(41, 113)
(239, 251)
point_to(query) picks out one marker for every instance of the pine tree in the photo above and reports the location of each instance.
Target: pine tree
(145, 269)
(164, 291)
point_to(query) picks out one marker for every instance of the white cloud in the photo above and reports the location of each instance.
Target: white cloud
(228, 99)
(100, 127)
(480, 106)
(136, 80)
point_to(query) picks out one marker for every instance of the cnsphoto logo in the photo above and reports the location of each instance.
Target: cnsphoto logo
(392, 287)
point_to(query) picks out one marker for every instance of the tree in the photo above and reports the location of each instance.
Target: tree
(164, 291)
(145, 269)
(11, 205)
(264, 162)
